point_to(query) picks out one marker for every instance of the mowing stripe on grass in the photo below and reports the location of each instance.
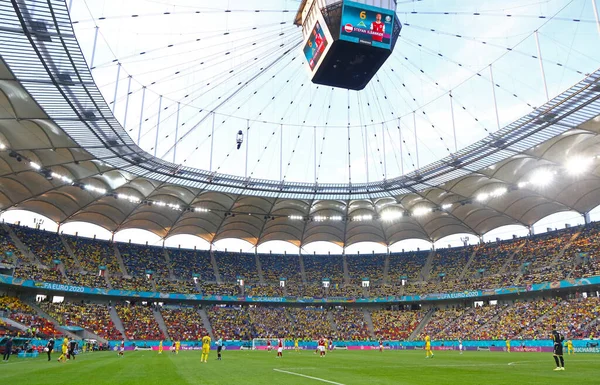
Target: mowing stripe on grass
(310, 377)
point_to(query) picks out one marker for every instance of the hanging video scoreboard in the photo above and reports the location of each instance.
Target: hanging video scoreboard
(315, 46)
(365, 24)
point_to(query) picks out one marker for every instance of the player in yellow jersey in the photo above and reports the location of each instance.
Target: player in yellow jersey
(570, 349)
(65, 350)
(428, 352)
(177, 347)
(205, 348)
(507, 345)
(296, 347)
(160, 347)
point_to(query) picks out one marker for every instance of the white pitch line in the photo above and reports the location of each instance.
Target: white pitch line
(310, 377)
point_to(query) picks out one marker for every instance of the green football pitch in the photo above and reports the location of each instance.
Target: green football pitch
(338, 367)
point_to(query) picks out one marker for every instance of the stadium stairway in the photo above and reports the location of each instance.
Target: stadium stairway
(346, 271)
(169, 265)
(559, 256)
(510, 258)
(107, 279)
(540, 320)
(302, 271)
(117, 321)
(332, 323)
(161, 323)
(206, 322)
(425, 272)
(120, 259)
(421, 325)
(496, 317)
(369, 322)
(386, 269)
(14, 324)
(57, 325)
(213, 261)
(468, 264)
(261, 278)
(71, 253)
(27, 254)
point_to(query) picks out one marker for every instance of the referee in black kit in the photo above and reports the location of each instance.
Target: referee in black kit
(50, 347)
(558, 339)
(72, 348)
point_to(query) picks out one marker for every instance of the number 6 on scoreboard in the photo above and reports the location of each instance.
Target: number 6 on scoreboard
(363, 15)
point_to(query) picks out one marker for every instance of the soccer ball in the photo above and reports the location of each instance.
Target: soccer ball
(45, 350)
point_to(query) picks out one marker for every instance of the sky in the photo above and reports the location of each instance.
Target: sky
(196, 56)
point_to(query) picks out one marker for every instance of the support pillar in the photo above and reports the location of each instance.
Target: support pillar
(94, 47)
(139, 138)
(114, 106)
(158, 125)
(586, 218)
(127, 102)
(453, 122)
(543, 74)
(494, 97)
(596, 15)
(247, 140)
(176, 133)
(212, 141)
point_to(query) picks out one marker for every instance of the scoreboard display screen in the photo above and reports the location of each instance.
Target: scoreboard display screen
(365, 24)
(315, 46)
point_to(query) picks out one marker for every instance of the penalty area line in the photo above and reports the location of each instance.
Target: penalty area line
(309, 377)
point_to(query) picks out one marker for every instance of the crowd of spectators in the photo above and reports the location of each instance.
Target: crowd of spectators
(164, 285)
(230, 323)
(349, 291)
(366, 266)
(39, 274)
(277, 266)
(571, 317)
(265, 291)
(318, 267)
(270, 322)
(139, 258)
(585, 252)
(184, 324)
(315, 290)
(188, 262)
(234, 265)
(131, 284)
(386, 290)
(310, 323)
(87, 280)
(536, 259)
(139, 322)
(395, 324)
(490, 258)
(440, 320)
(7, 246)
(409, 265)
(220, 289)
(93, 253)
(46, 245)
(93, 317)
(450, 263)
(467, 326)
(24, 314)
(350, 325)
(541, 250)
(518, 317)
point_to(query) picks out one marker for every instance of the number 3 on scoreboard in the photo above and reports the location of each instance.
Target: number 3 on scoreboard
(363, 15)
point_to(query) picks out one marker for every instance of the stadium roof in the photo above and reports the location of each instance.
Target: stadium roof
(68, 158)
